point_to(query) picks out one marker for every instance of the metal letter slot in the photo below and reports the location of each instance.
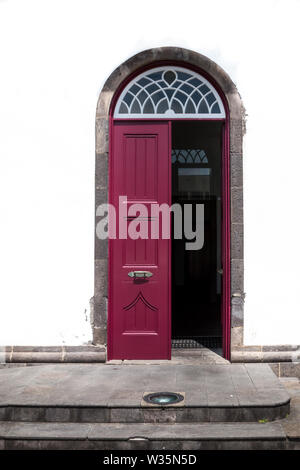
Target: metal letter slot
(140, 274)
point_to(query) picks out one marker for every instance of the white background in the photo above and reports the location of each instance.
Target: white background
(55, 56)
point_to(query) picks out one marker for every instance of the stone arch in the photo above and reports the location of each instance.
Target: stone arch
(235, 107)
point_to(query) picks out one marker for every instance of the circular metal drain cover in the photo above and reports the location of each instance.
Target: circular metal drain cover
(163, 398)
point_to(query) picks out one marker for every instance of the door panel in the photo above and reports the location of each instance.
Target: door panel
(139, 309)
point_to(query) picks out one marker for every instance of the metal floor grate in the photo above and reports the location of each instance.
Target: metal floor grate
(196, 342)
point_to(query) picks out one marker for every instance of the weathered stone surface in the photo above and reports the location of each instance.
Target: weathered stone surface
(237, 205)
(100, 281)
(238, 355)
(237, 312)
(263, 377)
(237, 275)
(102, 135)
(126, 415)
(12, 364)
(291, 424)
(292, 429)
(39, 431)
(121, 395)
(104, 102)
(63, 415)
(282, 356)
(101, 197)
(46, 444)
(93, 415)
(101, 252)
(36, 357)
(290, 369)
(236, 136)
(217, 393)
(26, 355)
(99, 335)
(283, 347)
(193, 414)
(275, 368)
(251, 348)
(188, 357)
(100, 315)
(22, 413)
(244, 354)
(176, 435)
(56, 349)
(151, 432)
(237, 241)
(236, 170)
(141, 444)
(237, 337)
(234, 445)
(84, 348)
(32, 349)
(88, 357)
(102, 171)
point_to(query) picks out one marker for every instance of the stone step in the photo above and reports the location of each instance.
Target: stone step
(121, 414)
(134, 436)
(114, 393)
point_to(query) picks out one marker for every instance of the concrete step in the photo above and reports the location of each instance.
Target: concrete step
(114, 393)
(184, 414)
(134, 436)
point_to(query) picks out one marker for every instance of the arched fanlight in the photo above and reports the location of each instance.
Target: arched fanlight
(169, 92)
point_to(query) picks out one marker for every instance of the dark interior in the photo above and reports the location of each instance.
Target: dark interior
(196, 274)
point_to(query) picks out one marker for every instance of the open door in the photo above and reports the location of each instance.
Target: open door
(139, 271)
(197, 275)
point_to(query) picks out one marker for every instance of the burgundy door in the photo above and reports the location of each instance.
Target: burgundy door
(139, 307)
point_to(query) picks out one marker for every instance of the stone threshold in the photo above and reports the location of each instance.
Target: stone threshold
(53, 354)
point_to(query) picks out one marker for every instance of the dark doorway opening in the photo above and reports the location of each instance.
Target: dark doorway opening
(197, 274)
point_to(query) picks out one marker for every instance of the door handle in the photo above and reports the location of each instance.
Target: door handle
(140, 274)
(220, 271)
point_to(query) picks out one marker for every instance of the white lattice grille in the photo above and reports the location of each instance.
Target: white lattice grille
(173, 92)
(189, 156)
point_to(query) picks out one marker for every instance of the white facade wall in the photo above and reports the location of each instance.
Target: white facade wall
(55, 57)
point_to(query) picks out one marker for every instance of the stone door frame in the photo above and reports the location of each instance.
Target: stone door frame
(106, 100)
